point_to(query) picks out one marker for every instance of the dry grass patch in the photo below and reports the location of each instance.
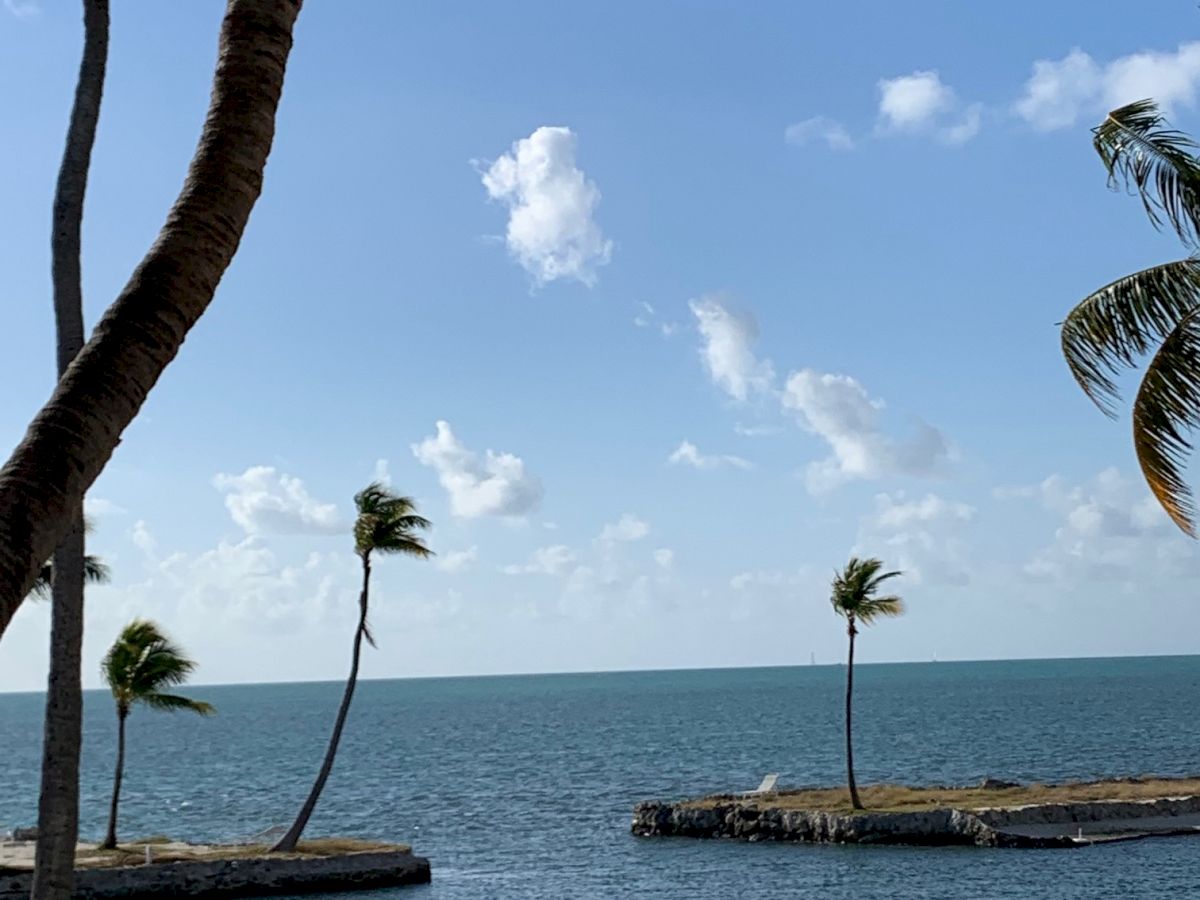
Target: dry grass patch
(164, 850)
(899, 798)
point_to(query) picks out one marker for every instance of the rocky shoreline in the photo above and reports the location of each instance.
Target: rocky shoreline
(1051, 825)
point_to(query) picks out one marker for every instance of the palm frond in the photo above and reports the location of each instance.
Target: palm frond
(175, 703)
(95, 571)
(873, 608)
(1141, 153)
(854, 589)
(1166, 410)
(1123, 321)
(142, 662)
(388, 523)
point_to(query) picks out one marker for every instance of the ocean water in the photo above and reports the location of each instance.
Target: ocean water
(523, 786)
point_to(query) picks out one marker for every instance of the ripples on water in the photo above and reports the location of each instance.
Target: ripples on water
(523, 786)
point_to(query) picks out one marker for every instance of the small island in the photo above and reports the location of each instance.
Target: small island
(159, 867)
(990, 814)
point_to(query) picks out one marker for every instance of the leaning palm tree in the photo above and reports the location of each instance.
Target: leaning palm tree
(386, 523)
(1155, 311)
(854, 599)
(140, 665)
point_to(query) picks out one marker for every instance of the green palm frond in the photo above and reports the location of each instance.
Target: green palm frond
(1166, 410)
(854, 589)
(1123, 321)
(175, 703)
(95, 571)
(388, 523)
(141, 663)
(1143, 154)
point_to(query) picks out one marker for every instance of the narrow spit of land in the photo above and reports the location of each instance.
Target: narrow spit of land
(900, 798)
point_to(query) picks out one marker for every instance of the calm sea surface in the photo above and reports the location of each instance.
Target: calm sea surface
(523, 786)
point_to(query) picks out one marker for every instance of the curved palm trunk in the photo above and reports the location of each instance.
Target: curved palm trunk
(58, 800)
(110, 837)
(288, 841)
(72, 437)
(854, 801)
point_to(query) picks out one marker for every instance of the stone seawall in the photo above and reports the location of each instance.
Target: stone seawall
(260, 876)
(1049, 825)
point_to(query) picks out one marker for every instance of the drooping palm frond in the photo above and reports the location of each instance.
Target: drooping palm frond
(854, 589)
(174, 703)
(95, 571)
(1166, 410)
(1141, 153)
(1123, 321)
(141, 663)
(388, 523)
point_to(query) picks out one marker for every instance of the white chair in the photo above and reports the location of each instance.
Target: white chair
(767, 786)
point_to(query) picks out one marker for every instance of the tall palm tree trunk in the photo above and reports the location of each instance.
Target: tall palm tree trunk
(58, 800)
(288, 842)
(73, 436)
(110, 837)
(854, 801)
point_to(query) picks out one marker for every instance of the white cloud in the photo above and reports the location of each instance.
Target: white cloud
(920, 103)
(1061, 91)
(922, 537)
(23, 9)
(457, 560)
(98, 506)
(497, 485)
(143, 539)
(838, 409)
(649, 318)
(664, 558)
(553, 560)
(728, 349)
(263, 501)
(382, 474)
(551, 231)
(819, 128)
(687, 454)
(628, 528)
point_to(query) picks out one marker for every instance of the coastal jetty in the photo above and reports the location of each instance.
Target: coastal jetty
(992, 814)
(167, 869)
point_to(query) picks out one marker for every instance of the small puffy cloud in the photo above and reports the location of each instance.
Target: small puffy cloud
(687, 454)
(628, 528)
(553, 560)
(838, 409)
(263, 501)
(649, 318)
(143, 539)
(457, 560)
(819, 128)
(922, 536)
(1061, 91)
(382, 475)
(728, 349)
(920, 103)
(551, 230)
(664, 558)
(496, 485)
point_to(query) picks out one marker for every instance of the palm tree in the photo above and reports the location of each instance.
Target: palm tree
(73, 436)
(58, 797)
(1154, 311)
(138, 667)
(854, 599)
(95, 571)
(387, 523)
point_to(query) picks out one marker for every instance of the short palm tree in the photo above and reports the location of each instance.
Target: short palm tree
(386, 523)
(138, 667)
(855, 599)
(1155, 311)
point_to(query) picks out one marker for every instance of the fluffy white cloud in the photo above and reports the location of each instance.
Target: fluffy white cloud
(819, 128)
(457, 560)
(1110, 530)
(551, 230)
(664, 558)
(687, 454)
(382, 473)
(838, 409)
(263, 501)
(553, 560)
(1060, 91)
(922, 537)
(628, 528)
(143, 539)
(496, 485)
(728, 349)
(921, 103)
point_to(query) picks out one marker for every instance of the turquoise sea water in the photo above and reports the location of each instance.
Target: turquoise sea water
(523, 786)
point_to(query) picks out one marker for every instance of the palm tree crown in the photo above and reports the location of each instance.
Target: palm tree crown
(854, 593)
(95, 571)
(141, 664)
(387, 523)
(1155, 311)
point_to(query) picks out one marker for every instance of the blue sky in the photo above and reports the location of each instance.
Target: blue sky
(708, 297)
